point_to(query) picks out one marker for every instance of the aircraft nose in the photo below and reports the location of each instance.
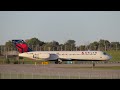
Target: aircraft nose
(109, 57)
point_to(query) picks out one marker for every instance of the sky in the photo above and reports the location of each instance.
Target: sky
(82, 26)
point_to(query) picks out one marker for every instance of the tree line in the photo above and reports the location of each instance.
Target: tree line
(69, 45)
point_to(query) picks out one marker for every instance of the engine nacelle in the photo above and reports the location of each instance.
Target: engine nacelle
(46, 56)
(53, 57)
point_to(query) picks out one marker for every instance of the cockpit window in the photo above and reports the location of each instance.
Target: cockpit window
(104, 53)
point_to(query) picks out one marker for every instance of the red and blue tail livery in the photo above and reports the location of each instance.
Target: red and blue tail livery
(21, 46)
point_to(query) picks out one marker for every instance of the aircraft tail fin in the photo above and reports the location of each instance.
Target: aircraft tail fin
(21, 46)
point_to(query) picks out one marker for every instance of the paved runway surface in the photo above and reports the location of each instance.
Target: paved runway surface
(63, 70)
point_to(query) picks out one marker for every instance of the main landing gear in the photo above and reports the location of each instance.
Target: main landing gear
(58, 61)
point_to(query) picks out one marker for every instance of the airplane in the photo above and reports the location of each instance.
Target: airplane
(59, 56)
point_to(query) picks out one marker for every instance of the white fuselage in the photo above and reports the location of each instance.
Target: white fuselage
(66, 55)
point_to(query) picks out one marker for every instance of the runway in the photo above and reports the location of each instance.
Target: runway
(82, 71)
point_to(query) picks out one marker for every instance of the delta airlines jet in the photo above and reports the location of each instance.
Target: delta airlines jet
(59, 56)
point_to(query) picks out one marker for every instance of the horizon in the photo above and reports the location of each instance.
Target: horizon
(87, 43)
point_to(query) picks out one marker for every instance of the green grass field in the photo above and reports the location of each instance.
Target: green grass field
(33, 76)
(13, 61)
(115, 55)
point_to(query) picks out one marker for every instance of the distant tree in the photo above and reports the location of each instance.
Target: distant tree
(61, 47)
(94, 45)
(82, 47)
(115, 46)
(52, 46)
(104, 44)
(107, 43)
(70, 45)
(10, 46)
(1, 49)
(55, 45)
(34, 43)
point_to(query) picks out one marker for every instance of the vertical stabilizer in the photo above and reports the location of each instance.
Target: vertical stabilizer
(21, 46)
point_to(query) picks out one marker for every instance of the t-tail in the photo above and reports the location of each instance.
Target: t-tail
(21, 46)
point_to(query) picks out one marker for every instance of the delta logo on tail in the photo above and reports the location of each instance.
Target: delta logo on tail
(21, 46)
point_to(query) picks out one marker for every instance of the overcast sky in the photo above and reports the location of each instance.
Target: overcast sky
(82, 26)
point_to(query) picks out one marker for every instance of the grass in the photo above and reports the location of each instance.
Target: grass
(14, 61)
(33, 76)
(115, 55)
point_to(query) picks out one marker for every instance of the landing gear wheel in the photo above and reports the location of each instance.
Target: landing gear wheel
(58, 61)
